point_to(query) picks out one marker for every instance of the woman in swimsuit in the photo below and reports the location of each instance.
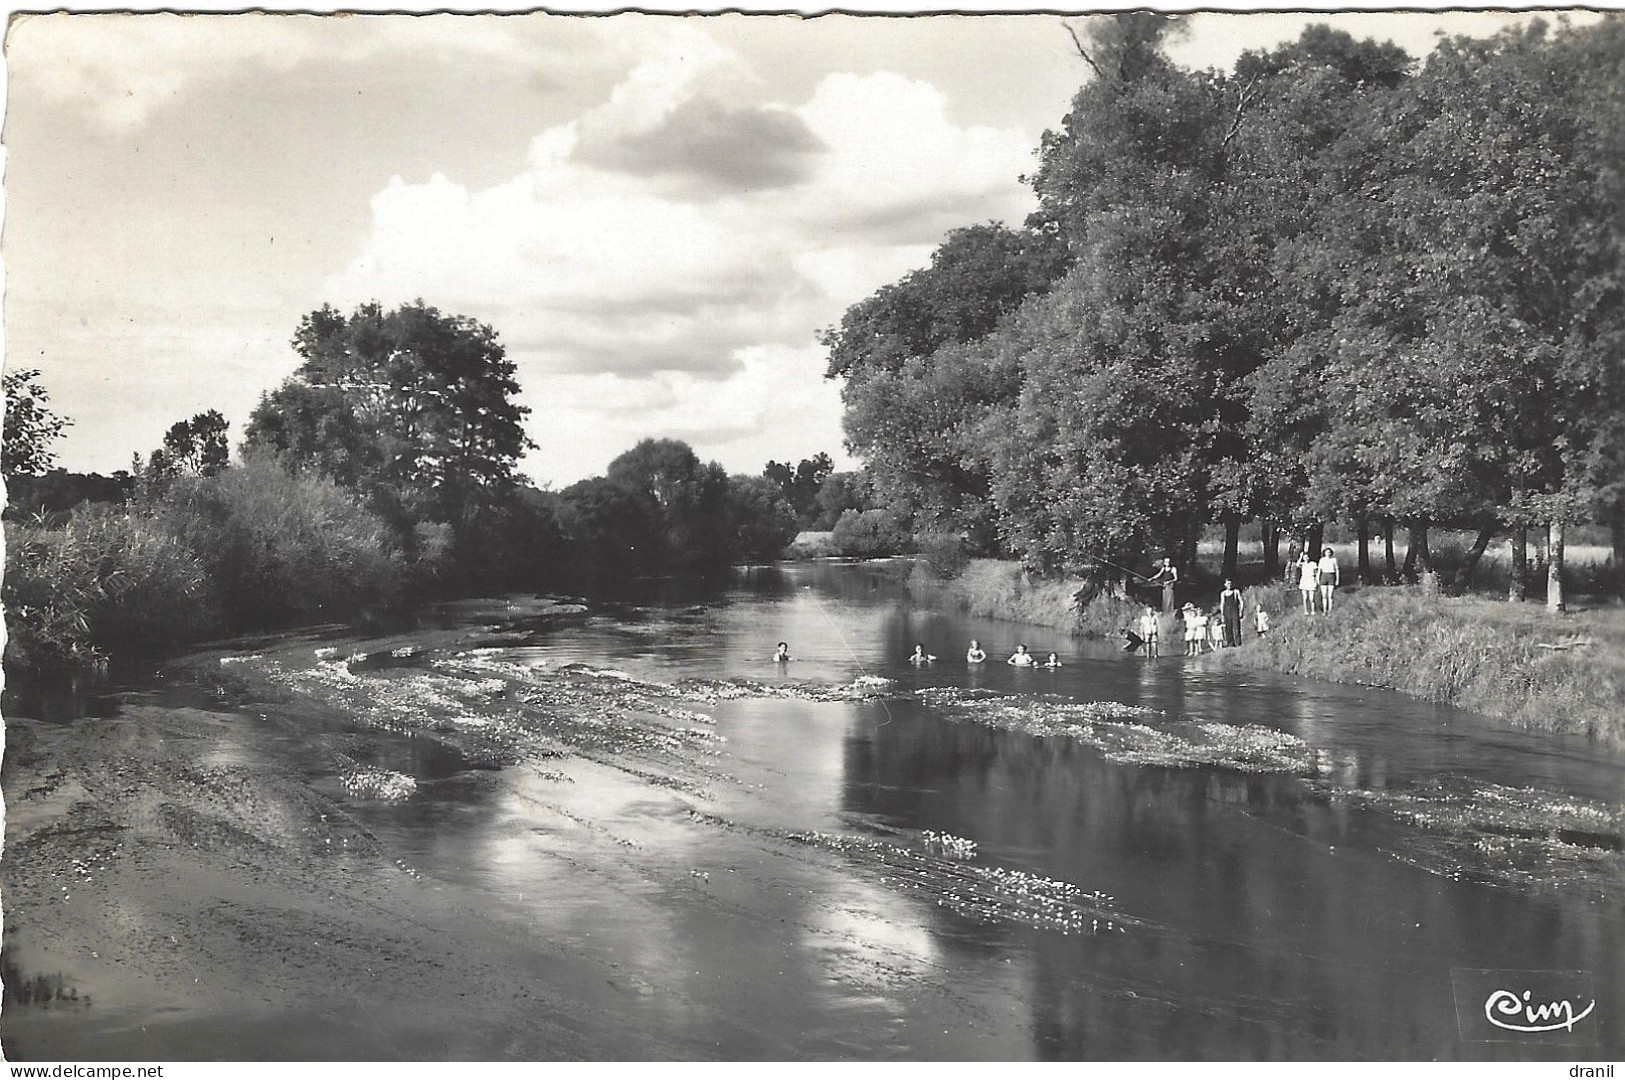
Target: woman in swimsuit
(1331, 576)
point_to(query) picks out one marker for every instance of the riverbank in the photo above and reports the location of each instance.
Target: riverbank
(1562, 674)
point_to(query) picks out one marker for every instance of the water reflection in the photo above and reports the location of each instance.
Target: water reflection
(1265, 916)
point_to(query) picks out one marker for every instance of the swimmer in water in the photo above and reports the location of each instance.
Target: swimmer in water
(1021, 657)
(920, 655)
(783, 655)
(1053, 661)
(975, 654)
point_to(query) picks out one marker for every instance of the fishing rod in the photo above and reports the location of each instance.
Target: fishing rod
(1114, 566)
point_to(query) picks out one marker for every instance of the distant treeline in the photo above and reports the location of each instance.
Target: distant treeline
(382, 472)
(1331, 285)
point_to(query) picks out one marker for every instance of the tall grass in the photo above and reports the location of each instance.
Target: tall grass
(106, 579)
(254, 546)
(1475, 653)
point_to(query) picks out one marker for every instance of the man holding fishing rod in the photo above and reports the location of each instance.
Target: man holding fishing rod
(1167, 575)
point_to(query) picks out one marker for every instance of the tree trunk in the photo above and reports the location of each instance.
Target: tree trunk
(1554, 566)
(1424, 556)
(1518, 580)
(1389, 572)
(1314, 539)
(1362, 560)
(1272, 547)
(1232, 543)
(1464, 573)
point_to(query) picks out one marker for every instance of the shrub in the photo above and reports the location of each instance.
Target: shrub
(106, 578)
(813, 545)
(281, 546)
(868, 534)
(945, 554)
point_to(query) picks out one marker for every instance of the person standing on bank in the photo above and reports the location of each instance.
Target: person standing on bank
(1230, 605)
(1167, 575)
(1308, 581)
(1331, 576)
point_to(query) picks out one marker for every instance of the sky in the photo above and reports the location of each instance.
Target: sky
(657, 214)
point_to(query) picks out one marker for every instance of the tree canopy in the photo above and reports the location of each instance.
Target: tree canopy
(411, 407)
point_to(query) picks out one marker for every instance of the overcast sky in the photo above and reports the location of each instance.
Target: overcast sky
(657, 214)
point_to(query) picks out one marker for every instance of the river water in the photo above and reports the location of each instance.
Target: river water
(627, 833)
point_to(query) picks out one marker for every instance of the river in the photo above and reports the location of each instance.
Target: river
(525, 830)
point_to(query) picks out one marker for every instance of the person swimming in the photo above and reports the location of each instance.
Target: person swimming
(975, 654)
(920, 655)
(1053, 661)
(1021, 657)
(783, 653)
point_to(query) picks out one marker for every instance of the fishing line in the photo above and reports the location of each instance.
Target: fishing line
(817, 603)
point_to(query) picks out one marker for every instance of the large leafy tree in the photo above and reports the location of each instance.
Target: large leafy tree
(412, 407)
(1119, 416)
(915, 398)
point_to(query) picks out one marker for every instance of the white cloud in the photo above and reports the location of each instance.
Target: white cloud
(634, 307)
(121, 67)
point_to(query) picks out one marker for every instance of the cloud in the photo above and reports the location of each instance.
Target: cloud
(712, 148)
(685, 229)
(122, 67)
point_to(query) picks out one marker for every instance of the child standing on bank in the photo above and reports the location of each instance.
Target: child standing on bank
(1149, 623)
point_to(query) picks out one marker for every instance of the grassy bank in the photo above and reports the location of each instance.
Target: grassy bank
(994, 588)
(1478, 654)
(1475, 653)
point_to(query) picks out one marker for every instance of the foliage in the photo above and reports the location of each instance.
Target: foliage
(943, 554)
(58, 491)
(1331, 284)
(659, 510)
(914, 403)
(869, 534)
(108, 578)
(30, 426)
(195, 447)
(762, 521)
(840, 492)
(411, 408)
(802, 484)
(281, 546)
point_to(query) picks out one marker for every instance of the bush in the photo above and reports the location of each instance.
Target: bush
(813, 545)
(945, 554)
(868, 534)
(280, 546)
(107, 578)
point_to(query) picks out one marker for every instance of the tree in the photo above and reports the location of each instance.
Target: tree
(410, 407)
(30, 426)
(195, 447)
(840, 492)
(800, 485)
(760, 520)
(915, 399)
(977, 276)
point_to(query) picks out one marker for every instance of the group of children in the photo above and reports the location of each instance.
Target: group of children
(978, 655)
(1203, 631)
